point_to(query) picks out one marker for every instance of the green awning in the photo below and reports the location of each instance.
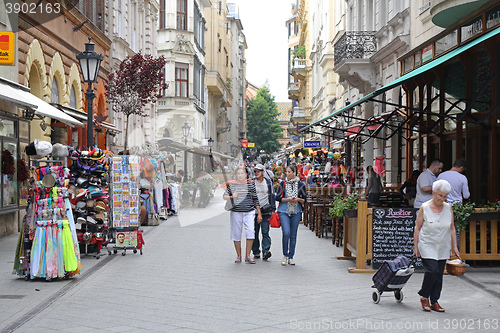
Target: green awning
(408, 76)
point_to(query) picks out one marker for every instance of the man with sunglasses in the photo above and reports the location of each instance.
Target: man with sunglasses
(267, 200)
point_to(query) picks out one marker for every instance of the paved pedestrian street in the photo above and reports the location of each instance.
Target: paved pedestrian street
(187, 281)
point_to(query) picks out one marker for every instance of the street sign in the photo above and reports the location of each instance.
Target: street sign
(244, 143)
(312, 144)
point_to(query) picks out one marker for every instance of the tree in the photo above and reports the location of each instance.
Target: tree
(136, 83)
(264, 128)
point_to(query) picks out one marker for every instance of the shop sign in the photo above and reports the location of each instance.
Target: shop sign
(251, 144)
(7, 48)
(244, 143)
(427, 53)
(312, 144)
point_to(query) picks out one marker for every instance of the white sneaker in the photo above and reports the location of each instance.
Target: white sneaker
(284, 261)
(291, 262)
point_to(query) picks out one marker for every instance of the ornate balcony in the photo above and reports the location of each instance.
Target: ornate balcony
(299, 68)
(352, 54)
(293, 90)
(355, 45)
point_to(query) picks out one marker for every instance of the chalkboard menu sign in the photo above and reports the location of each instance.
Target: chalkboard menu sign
(393, 234)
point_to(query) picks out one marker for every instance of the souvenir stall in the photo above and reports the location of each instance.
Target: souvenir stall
(125, 204)
(47, 246)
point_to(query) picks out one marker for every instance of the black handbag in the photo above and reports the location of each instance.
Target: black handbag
(267, 209)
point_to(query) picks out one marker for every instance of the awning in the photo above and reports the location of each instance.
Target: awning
(13, 96)
(221, 155)
(109, 127)
(408, 76)
(72, 112)
(174, 147)
(20, 96)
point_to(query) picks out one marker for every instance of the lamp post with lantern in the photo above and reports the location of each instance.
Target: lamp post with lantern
(90, 62)
(185, 133)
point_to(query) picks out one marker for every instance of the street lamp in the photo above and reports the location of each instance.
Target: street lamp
(185, 132)
(90, 63)
(210, 143)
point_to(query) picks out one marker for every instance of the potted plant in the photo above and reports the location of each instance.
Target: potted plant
(461, 214)
(345, 206)
(299, 52)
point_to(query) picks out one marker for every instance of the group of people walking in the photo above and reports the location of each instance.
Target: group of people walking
(251, 203)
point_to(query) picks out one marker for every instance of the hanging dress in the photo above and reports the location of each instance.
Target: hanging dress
(50, 259)
(70, 261)
(60, 249)
(36, 250)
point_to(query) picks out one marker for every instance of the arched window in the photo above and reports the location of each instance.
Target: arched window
(166, 133)
(54, 92)
(72, 97)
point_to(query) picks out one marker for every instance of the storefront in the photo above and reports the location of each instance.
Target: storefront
(451, 107)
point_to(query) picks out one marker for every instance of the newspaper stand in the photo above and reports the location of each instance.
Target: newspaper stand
(125, 204)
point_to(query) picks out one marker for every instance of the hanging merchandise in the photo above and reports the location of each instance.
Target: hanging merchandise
(125, 204)
(88, 186)
(48, 246)
(8, 167)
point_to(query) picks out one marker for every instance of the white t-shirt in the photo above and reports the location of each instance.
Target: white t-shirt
(262, 194)
(459, 186)
(426, 178)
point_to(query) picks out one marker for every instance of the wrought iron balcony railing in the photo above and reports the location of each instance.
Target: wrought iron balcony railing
(355, 45)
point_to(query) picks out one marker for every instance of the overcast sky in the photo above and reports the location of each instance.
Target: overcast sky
(267, 39)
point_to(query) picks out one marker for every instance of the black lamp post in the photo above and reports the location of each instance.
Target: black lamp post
(185, 134)
(210, 143)
(90, 62)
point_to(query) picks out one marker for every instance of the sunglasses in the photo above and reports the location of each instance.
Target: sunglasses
(256, 170)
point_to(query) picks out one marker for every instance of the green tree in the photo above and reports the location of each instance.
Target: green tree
(264, 128)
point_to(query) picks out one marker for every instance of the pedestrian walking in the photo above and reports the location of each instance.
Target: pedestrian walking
(434, 237)
(267, 201)
(409, 188)
(292, 195)
(458, 182)
(242, 195)
(425, 181)
(374, 186)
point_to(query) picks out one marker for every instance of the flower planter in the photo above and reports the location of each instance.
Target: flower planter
(484, 216)
(352, 213)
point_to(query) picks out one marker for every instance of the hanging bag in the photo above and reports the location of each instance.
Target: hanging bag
(274, 220)
(229, 203)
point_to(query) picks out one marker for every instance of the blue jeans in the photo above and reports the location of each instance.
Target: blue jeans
(266, 239)
(289, 227)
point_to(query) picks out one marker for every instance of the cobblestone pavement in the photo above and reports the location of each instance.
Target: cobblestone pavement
(187, 281)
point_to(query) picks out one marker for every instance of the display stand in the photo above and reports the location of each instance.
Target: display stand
(89, 189)
(125, 204)
(47, 246)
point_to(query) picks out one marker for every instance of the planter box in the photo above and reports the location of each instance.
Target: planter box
(352, 213)
(484, 216)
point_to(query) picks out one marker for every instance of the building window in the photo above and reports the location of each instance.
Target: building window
(295, 28)
(220, 44)
(163, 90)
(72, 97)
(181, 80)
(199, 28)
(289, 29)
(162, 14)
(181, 14)
(54, 92)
